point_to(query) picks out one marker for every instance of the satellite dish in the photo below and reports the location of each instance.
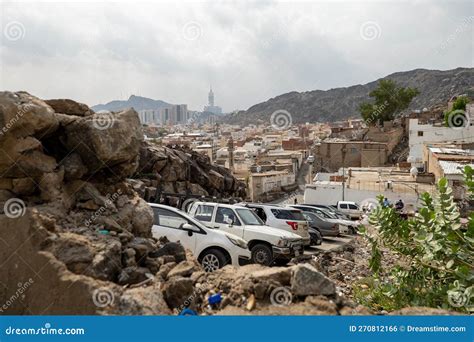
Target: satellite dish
(413, 171)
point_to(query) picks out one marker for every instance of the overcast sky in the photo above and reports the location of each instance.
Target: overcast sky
(249, 51)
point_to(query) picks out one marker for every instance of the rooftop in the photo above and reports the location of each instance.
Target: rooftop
(452, 167)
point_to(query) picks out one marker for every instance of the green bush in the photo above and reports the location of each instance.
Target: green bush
(435, 255)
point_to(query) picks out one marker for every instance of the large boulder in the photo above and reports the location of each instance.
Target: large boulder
(69, 107)
(306, 281)
(107, 141)
(22, 115)
(177, 291)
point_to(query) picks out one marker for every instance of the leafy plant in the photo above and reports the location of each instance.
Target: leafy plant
(452, 117)
(435, 255)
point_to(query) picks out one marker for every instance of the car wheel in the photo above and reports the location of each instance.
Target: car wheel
(262, 254)
(212, 260)
(316, 238)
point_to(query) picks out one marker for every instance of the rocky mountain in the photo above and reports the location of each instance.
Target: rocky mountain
(135, 102)
(341, 103)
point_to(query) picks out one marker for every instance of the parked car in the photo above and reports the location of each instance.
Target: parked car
(322, 224)
(267, 245)
(213, 248)
(345, 226)
(349, 208)
(330, 208)
(288, 219)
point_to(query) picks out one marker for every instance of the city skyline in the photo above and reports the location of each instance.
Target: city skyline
(248, 51)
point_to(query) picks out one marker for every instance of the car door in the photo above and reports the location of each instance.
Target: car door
(204, 214)
(223, 218)
(353, 210)
(168, 223)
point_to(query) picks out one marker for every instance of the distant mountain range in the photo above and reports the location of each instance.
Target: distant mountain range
(435, 87)
(136, 102)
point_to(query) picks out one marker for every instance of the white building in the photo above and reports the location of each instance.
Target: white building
(174, 114)
(420, 134)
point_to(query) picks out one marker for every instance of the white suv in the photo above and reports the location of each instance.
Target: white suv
(289, 219)
(268, 245)
(213, 249)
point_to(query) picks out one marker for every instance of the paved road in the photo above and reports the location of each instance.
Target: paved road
(329, 244)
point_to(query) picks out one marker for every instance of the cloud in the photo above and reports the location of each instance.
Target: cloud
(249, 51)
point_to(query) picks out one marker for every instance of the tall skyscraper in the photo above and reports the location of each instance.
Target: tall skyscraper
(210, 97)
(211, 108)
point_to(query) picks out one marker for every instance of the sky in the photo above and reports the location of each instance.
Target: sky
(250, 51)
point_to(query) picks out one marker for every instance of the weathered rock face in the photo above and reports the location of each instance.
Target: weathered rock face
(114, 152)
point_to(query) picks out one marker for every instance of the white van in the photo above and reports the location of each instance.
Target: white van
(213, 249)
(267, 245)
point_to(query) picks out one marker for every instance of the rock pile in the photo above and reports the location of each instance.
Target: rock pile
(70, 212)
(259, 290)
(176, 170)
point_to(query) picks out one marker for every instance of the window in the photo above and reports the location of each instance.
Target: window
(249, 217)
(352, 206)
(343, 206)
(288, 214)
(226, 215)
(168, 218)
(308, 217)
(260, 213)
(420, 133)
(204, 213)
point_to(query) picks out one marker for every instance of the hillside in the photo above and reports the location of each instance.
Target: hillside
(340, 103)
(135, 102)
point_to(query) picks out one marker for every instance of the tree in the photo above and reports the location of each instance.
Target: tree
(435, 255)
(456, 117)
(389, 100)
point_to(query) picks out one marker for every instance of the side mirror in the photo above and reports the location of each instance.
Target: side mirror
(190, 228)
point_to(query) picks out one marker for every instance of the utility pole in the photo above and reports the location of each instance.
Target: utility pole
(343, 151)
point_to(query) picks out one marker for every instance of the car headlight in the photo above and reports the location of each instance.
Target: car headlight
(238, 242)
(283, 242)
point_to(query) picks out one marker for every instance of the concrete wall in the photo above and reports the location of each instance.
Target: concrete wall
(330, 156)
(331, 194)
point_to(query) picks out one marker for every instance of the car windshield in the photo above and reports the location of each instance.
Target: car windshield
(330, 214)
(249, 218)
(285, 214)
(322, 214)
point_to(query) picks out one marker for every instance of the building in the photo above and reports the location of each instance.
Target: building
(445, 161)
(170, 115)
(211, 108)
(426, 133)
(265, 182)
(332, 155)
